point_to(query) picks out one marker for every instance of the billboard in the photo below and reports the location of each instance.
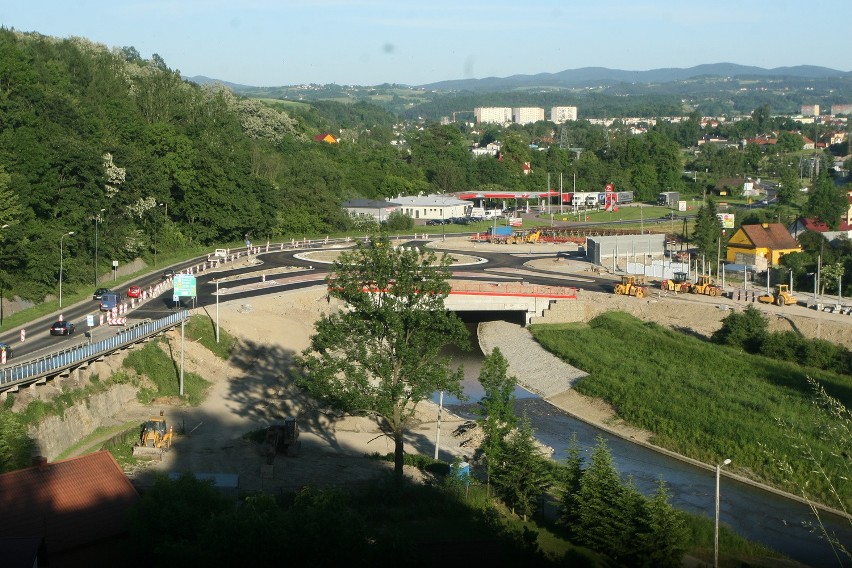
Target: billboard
(727, 220)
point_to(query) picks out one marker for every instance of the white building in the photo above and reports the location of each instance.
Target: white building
(810, 110)
(527, 115)
(433, 206)
(379, 210)
(493, 115)
(558, 115)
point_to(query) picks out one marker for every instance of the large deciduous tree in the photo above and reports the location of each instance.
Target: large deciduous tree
(381, 354)
(827, 202)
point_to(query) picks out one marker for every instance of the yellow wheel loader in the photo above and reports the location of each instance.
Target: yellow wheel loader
(155, 438)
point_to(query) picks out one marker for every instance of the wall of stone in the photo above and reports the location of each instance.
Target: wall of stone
(57, 433)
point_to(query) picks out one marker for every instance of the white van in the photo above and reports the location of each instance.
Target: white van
(221, 253)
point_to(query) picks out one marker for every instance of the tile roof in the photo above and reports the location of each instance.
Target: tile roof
(819, 226)
(71, 503)
(774, 236)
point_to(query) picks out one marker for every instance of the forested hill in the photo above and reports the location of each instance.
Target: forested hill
(121, 150)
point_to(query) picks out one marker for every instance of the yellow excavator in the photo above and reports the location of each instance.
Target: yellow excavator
(155, 438)
(781, 296)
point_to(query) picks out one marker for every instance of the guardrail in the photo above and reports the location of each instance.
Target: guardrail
(34, 370)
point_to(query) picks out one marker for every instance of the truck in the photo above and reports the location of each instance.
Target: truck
(624, 196)
(668, 198)
(110, 301)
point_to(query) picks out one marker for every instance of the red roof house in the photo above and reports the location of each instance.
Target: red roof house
(75, 505)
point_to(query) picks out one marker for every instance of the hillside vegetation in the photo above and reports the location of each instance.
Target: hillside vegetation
(712, 402)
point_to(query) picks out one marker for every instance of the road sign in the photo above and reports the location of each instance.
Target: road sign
(184, 286)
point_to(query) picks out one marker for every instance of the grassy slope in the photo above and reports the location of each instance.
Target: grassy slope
(706, 401)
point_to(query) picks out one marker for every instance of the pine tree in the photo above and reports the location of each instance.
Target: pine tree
(497, 407)
(667, 536)
(708, 231)
(570, 474)
(600, 508)
(522, 476)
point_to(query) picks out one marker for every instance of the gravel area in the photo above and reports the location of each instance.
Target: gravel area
(537, 370)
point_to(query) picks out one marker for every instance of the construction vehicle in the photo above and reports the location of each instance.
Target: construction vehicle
(631, 286)
(706, 287)
(282, 438)
(155, 438)
(679, 283)
(781, 296)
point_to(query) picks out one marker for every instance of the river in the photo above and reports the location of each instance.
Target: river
(779, 523)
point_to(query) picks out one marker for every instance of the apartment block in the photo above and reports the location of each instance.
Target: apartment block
(810, 110)
(527, 115)
(558, 115)
(841, 109)
(493, 115)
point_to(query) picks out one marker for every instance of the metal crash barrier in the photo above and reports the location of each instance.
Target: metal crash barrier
(34, 370)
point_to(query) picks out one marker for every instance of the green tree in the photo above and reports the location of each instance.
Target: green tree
(381, 355)
(827, 202)
(571, 473)
(790, 142)
(523, 474)
(667, 537)
(601, 522)
(788, 187)
(15, 445)
(708, 231)
(10, 211)
(497, 407)
(399, 221)
(745, 330)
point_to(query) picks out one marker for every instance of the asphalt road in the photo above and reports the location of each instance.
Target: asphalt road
(502, 265)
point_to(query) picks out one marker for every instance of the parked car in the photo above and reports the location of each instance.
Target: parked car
(134, 292)
(433, 222)
(7, 348)
(100, 292)
(62, 328)
(168, 274)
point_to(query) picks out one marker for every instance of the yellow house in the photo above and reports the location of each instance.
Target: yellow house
(326, 137)
(761, 245)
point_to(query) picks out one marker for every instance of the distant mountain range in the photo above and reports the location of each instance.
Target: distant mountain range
(592, 76)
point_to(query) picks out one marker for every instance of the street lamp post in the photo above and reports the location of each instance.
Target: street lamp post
(61, 239)
(716, 527)
(1, 285)
(97, 222)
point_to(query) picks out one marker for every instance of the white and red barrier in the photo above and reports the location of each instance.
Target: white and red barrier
(23, 335)
(117, 321)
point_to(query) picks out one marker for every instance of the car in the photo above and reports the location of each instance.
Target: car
(168, 274)
(100, 292)
(134, 292)
(62, 328)
(7, 348)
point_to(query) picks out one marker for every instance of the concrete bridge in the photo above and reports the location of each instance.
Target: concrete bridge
(531, 299)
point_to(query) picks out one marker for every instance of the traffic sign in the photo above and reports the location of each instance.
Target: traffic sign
(184, 285)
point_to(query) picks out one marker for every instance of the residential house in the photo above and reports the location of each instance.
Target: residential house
(761, 246)
(327, 138)
(78, 508)
(802, 225)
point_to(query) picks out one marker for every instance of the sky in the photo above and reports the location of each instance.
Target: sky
(370, 42)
